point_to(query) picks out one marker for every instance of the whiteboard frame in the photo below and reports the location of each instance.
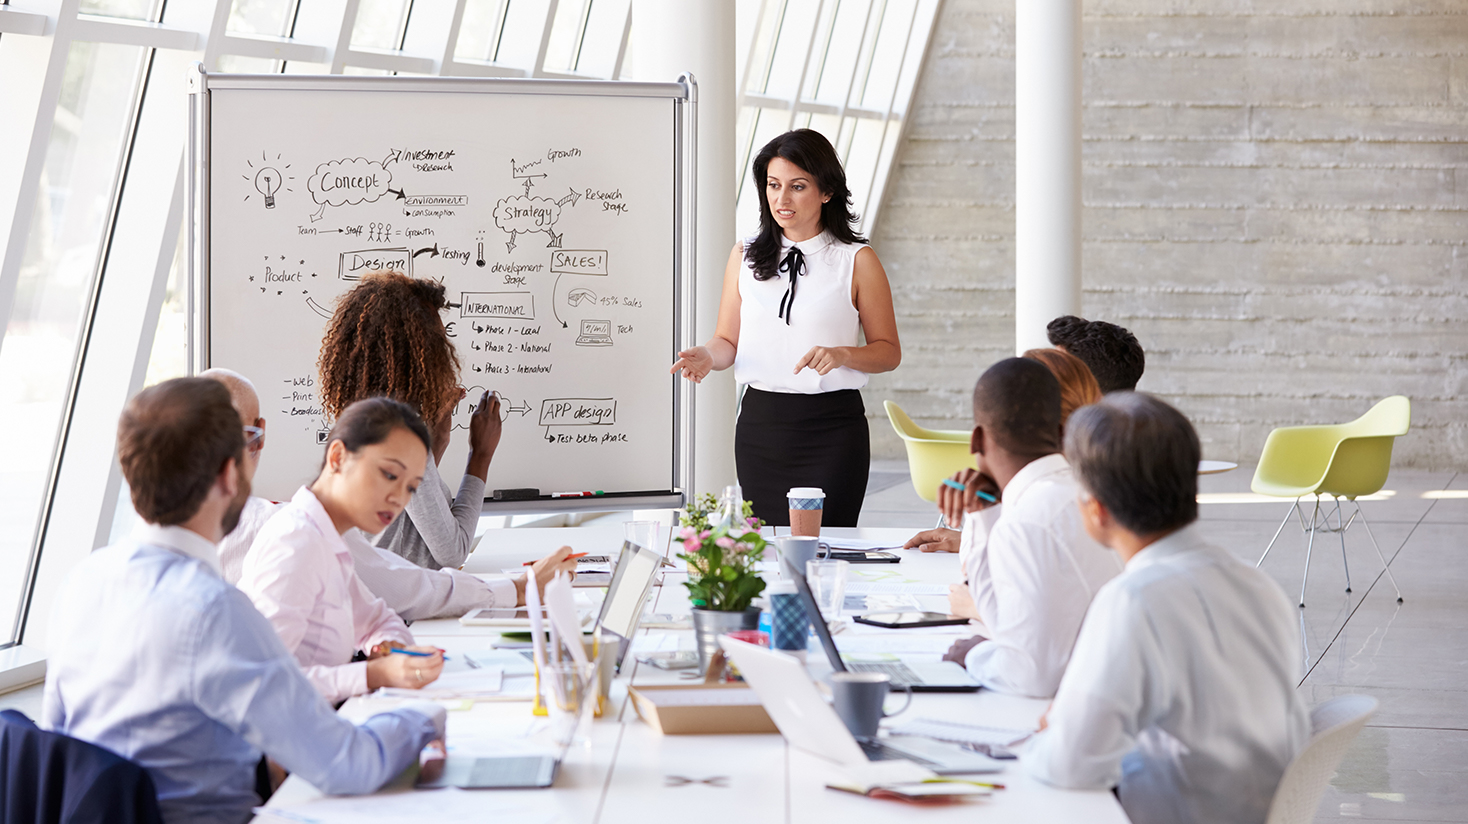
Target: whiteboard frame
(683, 93)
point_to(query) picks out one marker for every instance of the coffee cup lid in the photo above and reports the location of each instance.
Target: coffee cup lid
(806, 492)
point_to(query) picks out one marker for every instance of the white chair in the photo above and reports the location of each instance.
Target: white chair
(1334, 725)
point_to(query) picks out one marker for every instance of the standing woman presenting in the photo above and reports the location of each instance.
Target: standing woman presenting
(798, 298)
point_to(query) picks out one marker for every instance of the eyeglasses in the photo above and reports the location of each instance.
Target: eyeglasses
(254, 440)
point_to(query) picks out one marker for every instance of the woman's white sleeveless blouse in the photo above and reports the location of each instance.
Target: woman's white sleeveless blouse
(822, 314)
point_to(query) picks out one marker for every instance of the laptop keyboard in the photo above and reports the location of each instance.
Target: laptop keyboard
(876, 751)
(518, 771)
(899, 673)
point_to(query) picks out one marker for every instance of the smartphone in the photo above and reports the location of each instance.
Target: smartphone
(903, 620)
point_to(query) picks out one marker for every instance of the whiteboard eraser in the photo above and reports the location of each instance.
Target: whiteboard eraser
(524, 494)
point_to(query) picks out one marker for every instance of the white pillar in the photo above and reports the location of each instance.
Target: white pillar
(670, 37)
(1047, 160)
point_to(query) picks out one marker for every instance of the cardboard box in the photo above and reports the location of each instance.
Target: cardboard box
(701, 709)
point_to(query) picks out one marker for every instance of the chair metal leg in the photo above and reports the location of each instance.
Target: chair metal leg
(1309, 548)
(1294, 506)
(1341, 522)
(1384, 565)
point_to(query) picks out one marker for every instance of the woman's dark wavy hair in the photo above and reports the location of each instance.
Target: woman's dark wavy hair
(813, 153)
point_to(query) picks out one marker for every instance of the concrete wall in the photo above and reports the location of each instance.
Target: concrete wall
(1276, 203)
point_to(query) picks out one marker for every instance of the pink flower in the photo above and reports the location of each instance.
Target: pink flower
(687, 532)
(704, 536)
(752, 521)
(691, 544)
(725, 542)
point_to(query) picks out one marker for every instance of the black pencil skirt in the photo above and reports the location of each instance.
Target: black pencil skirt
(784, 440)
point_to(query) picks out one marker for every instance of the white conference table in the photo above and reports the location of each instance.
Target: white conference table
(624, 774)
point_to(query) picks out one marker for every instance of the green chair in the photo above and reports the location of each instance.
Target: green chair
(1344, 461)
(932, 454)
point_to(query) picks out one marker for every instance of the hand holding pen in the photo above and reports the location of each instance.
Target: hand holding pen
(967, 491)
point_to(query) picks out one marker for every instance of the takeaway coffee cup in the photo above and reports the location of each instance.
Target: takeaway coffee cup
(858, 698)
(806, 503)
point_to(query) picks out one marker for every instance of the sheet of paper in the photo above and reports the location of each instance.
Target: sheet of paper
(446, 806)
(960, 733)
(486, 681)
(862, 604)
(660, 642)
(560, 606)
(882, 588)
(703, 698)
(859, 544)
(894, 643)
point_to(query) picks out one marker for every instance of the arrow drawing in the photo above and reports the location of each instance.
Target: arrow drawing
(431, 250)
(319, 213)
(392, 156)
(398, 192)
(573, 198)
(554, 290)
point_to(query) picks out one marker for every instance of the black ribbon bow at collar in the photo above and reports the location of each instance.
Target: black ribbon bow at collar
(794, 263)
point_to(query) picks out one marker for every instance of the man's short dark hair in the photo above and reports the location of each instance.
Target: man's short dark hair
(1113, 353)
(1139, 457)
(172, 441)
(1017, 401)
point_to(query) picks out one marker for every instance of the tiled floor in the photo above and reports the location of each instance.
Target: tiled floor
(1411, 762)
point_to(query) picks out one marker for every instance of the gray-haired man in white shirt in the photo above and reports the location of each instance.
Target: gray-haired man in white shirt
(1181, 693)
(1031, 569)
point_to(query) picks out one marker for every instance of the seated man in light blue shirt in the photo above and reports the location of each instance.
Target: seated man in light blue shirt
(155, 657)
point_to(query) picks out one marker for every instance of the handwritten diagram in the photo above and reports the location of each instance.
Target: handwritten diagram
(347, 182)
(267, 179)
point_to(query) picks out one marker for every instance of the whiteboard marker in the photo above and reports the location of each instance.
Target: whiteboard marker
(577, 494)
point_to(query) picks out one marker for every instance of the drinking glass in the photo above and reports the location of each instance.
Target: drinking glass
(645, 534)
(570, 698)
(827, 581)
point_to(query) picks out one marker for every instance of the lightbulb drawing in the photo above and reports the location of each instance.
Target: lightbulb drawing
(267, 182)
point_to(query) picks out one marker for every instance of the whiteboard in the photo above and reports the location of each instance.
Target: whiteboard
(550, 210)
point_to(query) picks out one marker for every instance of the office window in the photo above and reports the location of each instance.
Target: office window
(845, 69)
(831, 65)
(68, 226)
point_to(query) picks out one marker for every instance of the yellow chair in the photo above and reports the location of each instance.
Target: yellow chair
(932, 454)
(1344, 461)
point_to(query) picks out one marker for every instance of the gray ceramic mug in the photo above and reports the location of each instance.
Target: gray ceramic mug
(858, 698)
(798, 550)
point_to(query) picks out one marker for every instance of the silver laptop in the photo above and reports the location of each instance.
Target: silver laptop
(621, 610)
(809, 723)
(919, 675)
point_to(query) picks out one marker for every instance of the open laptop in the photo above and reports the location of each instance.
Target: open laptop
(912, 673)
(809, 723)
(621, 610)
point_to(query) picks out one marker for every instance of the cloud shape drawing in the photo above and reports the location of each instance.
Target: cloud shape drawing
(349, 182)
(526, 214)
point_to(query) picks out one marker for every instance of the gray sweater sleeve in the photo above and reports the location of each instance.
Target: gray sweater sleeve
(436, 531)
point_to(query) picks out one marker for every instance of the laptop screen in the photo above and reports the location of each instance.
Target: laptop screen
(622, 607)
(817, 621)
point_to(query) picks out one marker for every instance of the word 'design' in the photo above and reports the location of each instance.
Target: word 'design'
(513, 305)
(578, 412)
(579, 261)
(355, 265)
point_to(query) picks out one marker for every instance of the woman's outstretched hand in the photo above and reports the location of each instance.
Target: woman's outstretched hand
(695, 363)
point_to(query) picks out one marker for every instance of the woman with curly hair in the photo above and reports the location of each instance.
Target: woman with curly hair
(386, 338)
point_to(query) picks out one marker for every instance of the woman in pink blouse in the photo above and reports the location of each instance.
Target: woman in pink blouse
(299, 570)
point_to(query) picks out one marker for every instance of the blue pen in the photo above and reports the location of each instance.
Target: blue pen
(415, 653)
(949, 482)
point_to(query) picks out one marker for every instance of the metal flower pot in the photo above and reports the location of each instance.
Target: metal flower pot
(709, 624)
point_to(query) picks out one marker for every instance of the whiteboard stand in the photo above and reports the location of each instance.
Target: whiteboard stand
(620, 156)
